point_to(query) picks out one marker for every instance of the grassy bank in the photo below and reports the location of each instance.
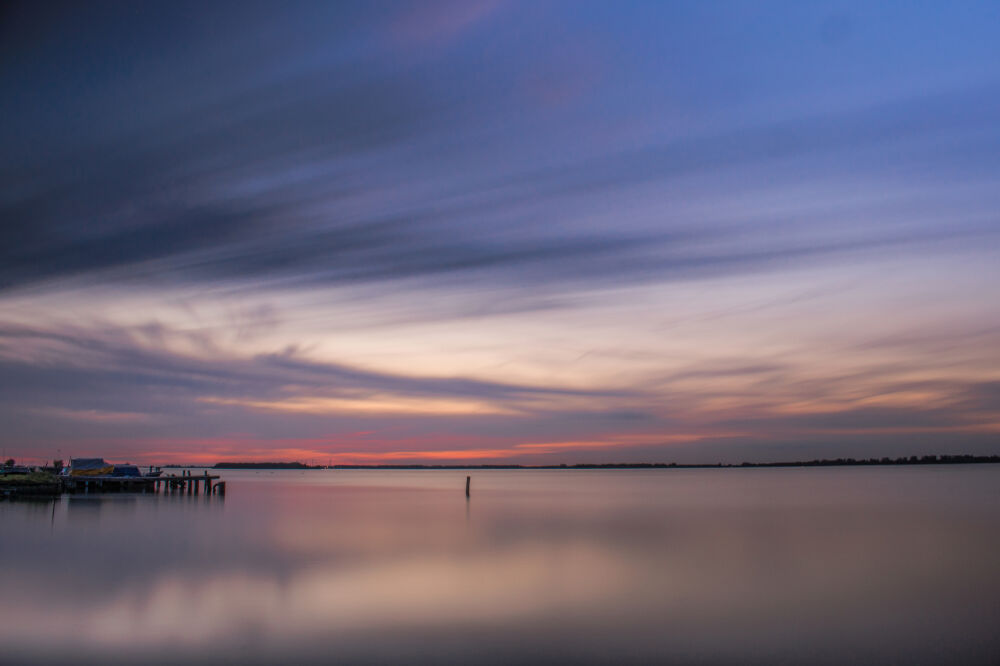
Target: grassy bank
(35, 483)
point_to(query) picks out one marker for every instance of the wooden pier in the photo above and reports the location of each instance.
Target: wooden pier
(185, 483)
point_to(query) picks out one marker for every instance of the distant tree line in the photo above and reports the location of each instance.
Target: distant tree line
(263, 465)
(911, 460)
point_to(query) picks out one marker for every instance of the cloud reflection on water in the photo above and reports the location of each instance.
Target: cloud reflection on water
(732, 566)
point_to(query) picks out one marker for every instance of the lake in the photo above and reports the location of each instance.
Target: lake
(711, 566)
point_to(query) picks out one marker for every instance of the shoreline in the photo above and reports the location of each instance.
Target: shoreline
(838, 462)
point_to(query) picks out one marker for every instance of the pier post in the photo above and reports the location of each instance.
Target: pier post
(468, 480)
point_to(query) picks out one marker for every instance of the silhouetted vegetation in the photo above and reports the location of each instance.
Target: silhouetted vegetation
(29, 484)
(263, 465)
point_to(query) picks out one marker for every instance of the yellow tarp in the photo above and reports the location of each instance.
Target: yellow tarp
(102, 471)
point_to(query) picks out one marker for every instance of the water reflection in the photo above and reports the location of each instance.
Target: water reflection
(719, 566)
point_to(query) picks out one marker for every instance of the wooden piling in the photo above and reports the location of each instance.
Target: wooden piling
(468, 480)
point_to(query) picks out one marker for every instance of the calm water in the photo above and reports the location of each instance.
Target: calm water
(842, 565)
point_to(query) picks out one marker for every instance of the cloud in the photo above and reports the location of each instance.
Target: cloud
(393, 166)
(87, 373)
(440, 21)
(98, 385)
(316, 178)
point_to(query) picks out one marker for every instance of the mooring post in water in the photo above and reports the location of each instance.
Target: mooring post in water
(468, 480)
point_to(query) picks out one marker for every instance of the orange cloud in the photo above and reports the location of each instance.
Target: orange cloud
(370, 404)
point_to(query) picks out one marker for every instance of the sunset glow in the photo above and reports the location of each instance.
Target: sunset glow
(491, 233)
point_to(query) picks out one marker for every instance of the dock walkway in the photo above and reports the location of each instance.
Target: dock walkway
(192, 484)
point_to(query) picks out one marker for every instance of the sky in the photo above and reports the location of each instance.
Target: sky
(491, 232)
